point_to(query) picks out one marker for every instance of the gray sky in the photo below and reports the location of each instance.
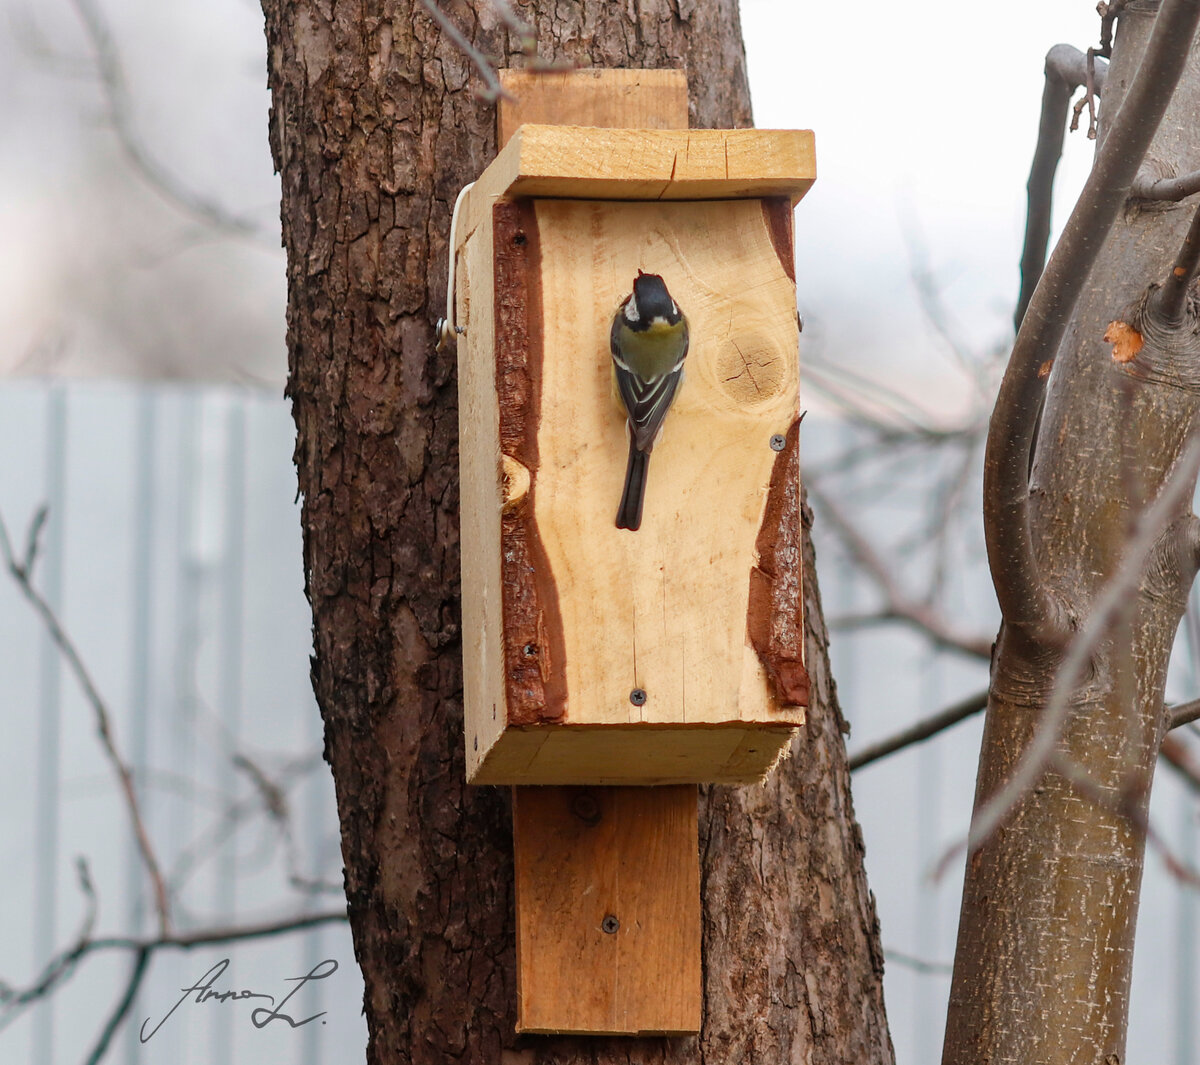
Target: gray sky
(923, 121)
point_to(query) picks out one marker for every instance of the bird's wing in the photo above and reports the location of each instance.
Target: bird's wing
(647, 402)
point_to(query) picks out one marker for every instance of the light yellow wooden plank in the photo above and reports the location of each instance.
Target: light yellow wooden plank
(662, 609)
(637, 99)
(633, 164)
(479, 460)
(641, 754)
(625, 856)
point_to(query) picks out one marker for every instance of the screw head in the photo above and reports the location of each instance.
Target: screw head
(610, 924)
(778, 442)
(638, 696)
(585, 806)
(529, 651)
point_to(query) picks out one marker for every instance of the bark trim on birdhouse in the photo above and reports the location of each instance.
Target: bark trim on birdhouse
(775, 620)
(533, 651)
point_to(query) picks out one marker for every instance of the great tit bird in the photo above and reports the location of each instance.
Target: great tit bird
(649, 342)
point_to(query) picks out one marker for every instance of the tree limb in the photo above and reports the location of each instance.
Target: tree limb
(1170, 300)
(22, 574)
(1066, 70)
(1025, 602)
(899, 606)
(1184, 714)
(1147, 187)
(922, 730)
(1042, 748)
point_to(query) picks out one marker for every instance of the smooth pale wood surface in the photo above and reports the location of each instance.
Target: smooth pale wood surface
(664, 608)
(582, 854)
(580, 162)
(480, 501)
(634, 754)
(636, 99)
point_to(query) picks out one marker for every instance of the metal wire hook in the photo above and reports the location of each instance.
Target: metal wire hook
(447, 327)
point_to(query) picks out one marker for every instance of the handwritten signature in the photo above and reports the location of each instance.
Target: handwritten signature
(260, 1017)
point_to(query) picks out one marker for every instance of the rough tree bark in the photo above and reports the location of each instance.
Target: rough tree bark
(1045, 943)
(374, 128)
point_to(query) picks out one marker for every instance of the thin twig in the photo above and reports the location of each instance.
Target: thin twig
(120, 114)
(1173, 751)
(1170, 300)
(898, 605)
(1108, 15)
(1025, 601)
(22, 574)
(479, 61)
(63, 965)
(918, 965)
(1042, 748)
(1178, 757)
(121, 1009)
(922, 730)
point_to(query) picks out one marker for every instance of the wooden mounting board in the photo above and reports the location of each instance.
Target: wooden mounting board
(626, 854)
(634, 99)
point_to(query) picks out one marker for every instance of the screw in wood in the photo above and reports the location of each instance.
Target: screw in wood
(610, 924)
(585, 807)
(529, 650)
(638, 696)
(777, 442)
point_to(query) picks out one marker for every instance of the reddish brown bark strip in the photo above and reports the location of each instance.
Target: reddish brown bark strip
(534, 656)
(777, 213)
(775, 619)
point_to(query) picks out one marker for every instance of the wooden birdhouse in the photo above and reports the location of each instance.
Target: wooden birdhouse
(599, 655)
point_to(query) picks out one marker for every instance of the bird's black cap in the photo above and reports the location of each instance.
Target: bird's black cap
(652, 298)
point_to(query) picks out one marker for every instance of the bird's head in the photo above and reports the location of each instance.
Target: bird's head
(651, 302)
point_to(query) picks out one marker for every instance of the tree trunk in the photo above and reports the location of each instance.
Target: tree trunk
(374, 129)
(1045, 941)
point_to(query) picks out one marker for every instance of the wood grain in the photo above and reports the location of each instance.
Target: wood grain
(663, 609)
(636, 99)
(701, 607)
(645, 164)
(628, 854)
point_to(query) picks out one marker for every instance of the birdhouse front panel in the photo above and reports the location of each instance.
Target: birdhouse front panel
(670, 652)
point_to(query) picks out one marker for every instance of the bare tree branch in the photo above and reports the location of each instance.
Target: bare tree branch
(922, 730)
(898, 605)
(61, 967)
(1177, 756)
(1148, 187)
(121, 1009)
(1184, 713)
(1066, 70)
(22, 574)
(1108, 15)
(918, 965)
(1025, 602)
(113, 84)
(1173, 751)
(1170, 300)
(1042, 748)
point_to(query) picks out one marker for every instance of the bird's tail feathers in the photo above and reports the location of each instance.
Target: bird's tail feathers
(629, 513)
